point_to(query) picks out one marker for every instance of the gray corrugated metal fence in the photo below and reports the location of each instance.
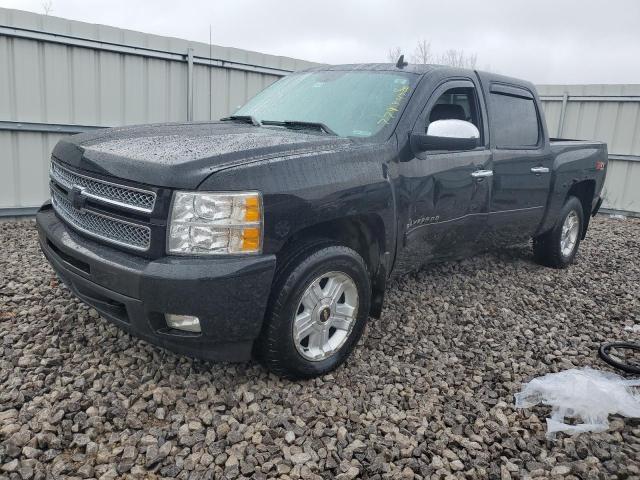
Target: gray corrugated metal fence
(59, 77)
(610, 113)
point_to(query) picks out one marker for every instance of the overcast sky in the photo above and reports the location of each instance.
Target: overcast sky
(545, 41)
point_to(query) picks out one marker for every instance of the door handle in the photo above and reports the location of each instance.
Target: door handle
(482, 173)
(539, 170)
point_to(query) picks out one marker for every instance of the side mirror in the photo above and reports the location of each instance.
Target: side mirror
(447, 135)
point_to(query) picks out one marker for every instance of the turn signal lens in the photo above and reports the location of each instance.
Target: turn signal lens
(250, 240)
(252, 209)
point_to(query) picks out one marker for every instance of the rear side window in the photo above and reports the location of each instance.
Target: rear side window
(515, 121)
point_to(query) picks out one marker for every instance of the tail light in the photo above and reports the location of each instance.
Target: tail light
(600, 165)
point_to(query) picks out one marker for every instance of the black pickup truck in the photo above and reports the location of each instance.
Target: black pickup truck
(273, 232)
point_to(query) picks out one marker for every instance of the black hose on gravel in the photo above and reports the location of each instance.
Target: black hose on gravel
(605, 355)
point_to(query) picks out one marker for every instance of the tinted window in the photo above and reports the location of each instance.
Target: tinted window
(515, 121)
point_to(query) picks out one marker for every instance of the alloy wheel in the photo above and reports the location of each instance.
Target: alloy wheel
(325, 315)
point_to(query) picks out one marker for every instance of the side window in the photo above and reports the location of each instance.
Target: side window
(458, 104)
(515, 121)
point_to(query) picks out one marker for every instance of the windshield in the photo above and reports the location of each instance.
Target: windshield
(350, 103)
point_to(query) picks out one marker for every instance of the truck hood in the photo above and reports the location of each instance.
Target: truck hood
(182, 155)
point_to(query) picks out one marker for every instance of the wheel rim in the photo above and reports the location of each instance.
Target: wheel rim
(325, 316)
(570, 231)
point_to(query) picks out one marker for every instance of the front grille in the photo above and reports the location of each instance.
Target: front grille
(120, 195)
(101, 226)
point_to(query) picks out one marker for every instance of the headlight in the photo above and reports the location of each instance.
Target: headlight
(204, 223)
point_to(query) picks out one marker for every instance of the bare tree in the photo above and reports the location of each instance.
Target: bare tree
(422, 52)
(457, 58)
(47, 6)
(471, 60)
(393, 54)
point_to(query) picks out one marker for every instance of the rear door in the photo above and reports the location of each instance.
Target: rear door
(522, 163)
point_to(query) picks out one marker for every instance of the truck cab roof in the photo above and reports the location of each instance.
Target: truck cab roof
(418, 69)
(422, 69)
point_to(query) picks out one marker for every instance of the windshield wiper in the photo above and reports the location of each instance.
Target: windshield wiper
(243, 119)
(299, 124)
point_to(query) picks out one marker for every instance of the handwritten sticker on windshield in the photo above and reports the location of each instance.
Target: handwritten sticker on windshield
(394, 106)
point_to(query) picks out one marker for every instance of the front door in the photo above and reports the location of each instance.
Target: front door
(445, 200)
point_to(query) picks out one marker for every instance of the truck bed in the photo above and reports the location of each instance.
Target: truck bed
(593, 150)
(580, 160)
(581, 155)
(572, 141)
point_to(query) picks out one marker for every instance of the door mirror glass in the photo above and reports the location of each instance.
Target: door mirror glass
(447, 135)
(452, 128)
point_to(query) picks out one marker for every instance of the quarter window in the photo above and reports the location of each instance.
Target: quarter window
(515, 121)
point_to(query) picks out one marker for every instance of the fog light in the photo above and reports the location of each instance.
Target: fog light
(187, 323)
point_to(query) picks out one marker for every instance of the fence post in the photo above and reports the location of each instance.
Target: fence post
(563, 111)
(190, 84)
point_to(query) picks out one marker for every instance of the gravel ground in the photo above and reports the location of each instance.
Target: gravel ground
(427, 394)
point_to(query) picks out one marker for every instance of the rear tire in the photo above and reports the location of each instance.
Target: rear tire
(323, 292)
(558, 247)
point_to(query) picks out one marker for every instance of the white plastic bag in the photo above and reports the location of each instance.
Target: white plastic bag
(584, 394)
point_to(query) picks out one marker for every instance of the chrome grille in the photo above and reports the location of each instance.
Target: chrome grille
(101, 226)
(121, 195)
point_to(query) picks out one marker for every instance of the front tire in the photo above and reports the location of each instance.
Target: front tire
(317, 312)
(558, 247)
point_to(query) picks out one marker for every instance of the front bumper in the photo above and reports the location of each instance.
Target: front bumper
(228, 294)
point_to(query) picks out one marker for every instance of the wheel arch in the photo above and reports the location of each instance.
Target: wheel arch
(583, 191)
(364, 233)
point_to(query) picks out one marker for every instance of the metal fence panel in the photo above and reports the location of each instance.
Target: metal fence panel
(622, 188)
(25, 166)
(66, 76)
